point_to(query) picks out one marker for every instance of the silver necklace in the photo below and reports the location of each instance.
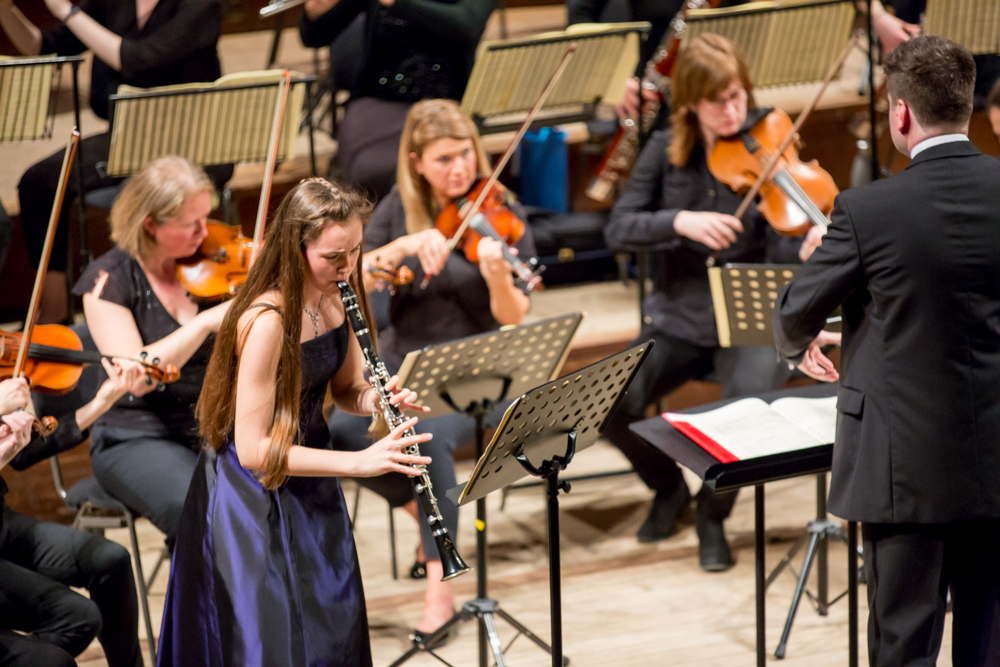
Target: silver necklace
(314, 316)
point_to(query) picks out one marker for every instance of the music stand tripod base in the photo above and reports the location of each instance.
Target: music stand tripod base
(549, 424)
(472, 376)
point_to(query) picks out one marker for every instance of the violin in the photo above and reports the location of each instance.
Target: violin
(796, 195)
(765, 161)
(55, 360)
(467, 214)
(494, 220)
(220, 266)
(387, 277)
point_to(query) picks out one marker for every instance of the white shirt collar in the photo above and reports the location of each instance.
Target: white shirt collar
(936, 141)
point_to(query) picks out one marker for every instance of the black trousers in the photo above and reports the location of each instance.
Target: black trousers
(151, 475)
(37, 192)
(368, 144)
(910, 569)
(39, 561)
(672, 362)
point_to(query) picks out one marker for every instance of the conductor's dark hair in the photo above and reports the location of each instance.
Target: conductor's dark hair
(935, 77)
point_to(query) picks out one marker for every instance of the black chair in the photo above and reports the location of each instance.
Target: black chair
(96, 509)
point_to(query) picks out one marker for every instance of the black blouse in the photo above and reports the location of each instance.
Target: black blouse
(456, 302)
(414, 50)
(176, 45)
(680, 305)
(159, 413)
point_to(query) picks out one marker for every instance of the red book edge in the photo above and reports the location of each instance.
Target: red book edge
(708, 444)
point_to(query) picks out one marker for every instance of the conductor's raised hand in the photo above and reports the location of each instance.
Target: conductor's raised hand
(813, 240)
(387, 454)
(817, 365)
(715, 230)
(403, 398)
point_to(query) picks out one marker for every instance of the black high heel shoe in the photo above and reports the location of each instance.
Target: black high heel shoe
(419, 568)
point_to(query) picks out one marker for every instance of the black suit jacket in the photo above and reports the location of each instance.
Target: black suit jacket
(915, 262)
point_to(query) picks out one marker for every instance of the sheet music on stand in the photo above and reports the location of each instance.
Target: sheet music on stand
(224, 122)
(509, 75)
(785, 43)
(27, 102)
(525, 355)
(975, 24)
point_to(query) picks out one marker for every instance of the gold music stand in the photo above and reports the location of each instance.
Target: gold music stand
(743, 296)
(975, 24)
(509, 75)
(224, 122)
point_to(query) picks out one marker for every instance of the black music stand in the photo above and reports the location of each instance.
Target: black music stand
(527, 432)
(756, 472)
(472, 376)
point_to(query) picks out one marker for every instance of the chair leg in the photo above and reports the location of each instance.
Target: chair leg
(392, 543)
(357, 502)
(164, 555)
(143, 594)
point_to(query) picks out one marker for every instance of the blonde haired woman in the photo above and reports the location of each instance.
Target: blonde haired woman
(143, 450)
(440, 158)
(673, 206)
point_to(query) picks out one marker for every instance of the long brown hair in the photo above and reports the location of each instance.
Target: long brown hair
(303, 215)
(705, 67)
(428, 121)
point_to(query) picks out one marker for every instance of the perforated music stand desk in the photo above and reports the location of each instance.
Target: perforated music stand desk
(471, 376)
(756, 472)
(539, 435)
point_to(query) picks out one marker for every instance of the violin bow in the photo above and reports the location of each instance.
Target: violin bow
(272, 159)
(50, 234)
(549, 87)
(47, 424)
(765, 174)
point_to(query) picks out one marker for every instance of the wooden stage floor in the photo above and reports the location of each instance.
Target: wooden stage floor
(624, 604)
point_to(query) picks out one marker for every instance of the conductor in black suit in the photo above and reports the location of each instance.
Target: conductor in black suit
(914, 262)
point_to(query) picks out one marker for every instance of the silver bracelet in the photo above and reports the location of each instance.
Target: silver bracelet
(73, 11)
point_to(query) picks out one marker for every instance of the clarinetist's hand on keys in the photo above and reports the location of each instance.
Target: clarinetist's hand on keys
(387, 454)
(316, 8)
(403, 398)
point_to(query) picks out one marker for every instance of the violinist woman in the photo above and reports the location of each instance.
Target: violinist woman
(265, 571)
(43, 621)
(673, 206)
(143, 450)
(440, 159)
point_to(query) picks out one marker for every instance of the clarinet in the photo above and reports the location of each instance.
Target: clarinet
(451, 561)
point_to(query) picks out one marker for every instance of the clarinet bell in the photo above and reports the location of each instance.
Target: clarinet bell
(452, 563)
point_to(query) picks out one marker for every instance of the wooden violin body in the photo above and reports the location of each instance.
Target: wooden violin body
(56, 357)
(220, 266)
(494, 220)
(796, 196)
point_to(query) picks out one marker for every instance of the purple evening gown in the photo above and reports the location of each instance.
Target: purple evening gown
(268, 578)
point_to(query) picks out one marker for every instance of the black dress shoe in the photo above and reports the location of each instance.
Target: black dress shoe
(714, 554)
(418, 570)
(667, 506)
